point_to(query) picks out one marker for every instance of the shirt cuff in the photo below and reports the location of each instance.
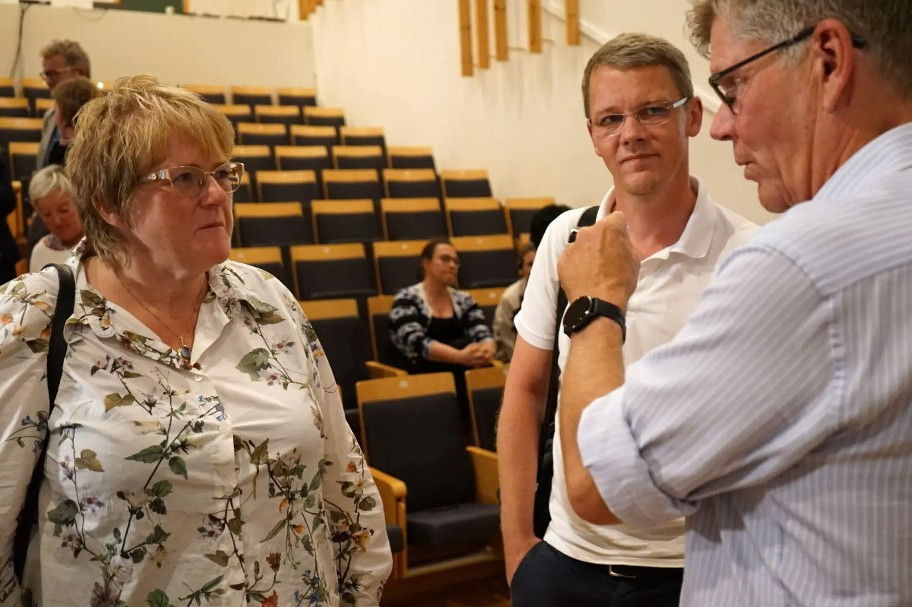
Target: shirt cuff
(612, 456)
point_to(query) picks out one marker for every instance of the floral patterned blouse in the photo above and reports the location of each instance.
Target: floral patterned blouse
(236, 482)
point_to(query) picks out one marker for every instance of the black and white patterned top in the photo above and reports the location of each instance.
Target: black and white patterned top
(410, 317)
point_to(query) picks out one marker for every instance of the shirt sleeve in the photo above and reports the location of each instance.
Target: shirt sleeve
(473, 318)
(355, 513)
(742, 393)
(407, 329)
(536, 320)
(26, 309)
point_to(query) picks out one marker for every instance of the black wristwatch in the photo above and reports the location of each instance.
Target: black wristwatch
(581, 312)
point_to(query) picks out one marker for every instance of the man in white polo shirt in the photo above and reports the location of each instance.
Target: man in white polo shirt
(641, 113)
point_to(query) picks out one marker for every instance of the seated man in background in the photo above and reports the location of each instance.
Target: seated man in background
(61, 60)
(52, 196)
(511, 300)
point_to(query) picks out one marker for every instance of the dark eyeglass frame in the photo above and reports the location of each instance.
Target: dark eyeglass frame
(54, 75)
(615, 130)
(448, 259)
(714, 79)
(201, 182)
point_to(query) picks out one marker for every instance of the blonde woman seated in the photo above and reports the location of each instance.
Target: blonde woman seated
(52, 196)
(198, 452)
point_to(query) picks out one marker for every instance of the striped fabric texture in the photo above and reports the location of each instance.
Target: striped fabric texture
(779, 421)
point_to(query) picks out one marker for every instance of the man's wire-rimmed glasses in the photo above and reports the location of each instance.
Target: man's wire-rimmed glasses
(649, 116)
(191, 181)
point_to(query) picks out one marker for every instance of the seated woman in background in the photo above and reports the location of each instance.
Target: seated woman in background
(52, 196)
(437, 327)
(198, 451)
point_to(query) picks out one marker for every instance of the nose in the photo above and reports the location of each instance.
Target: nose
(214, 194)
(631, 129)
(723, 124)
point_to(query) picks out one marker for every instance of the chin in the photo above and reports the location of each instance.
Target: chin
(774, 199)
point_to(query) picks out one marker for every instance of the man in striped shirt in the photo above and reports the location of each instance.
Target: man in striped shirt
(779, 420)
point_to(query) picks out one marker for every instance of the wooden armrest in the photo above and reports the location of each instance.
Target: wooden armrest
(392, 494)
(377, 369)
(487, 483)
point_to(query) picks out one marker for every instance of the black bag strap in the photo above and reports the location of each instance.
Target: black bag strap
(57, 347)
(541, 515)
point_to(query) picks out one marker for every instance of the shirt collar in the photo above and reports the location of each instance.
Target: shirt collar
(697, 236)
(888, 153)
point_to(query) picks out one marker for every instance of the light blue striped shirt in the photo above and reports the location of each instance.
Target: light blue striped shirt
(779, 421)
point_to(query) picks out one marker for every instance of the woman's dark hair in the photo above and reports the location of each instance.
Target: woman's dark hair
(428, 253)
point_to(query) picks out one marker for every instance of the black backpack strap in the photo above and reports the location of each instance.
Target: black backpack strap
(541, 515)
(57, 347)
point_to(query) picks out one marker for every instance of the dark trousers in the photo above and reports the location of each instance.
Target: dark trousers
(548, 578)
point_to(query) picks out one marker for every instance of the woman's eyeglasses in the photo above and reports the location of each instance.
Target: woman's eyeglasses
(192, 181)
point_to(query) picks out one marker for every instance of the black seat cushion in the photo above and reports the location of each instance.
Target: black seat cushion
(396, 538)
(460, 524)
(335, 278)
(419, 440)
(346, 343)
(396, 273)
(478, 223)
(479, 269)
(468, 188)
(487, 405)
(418, 225)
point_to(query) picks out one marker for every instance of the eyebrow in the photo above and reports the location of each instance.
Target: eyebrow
(616, 110)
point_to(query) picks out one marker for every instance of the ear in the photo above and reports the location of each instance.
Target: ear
(110, 217)
(835, 62)
(694, 116)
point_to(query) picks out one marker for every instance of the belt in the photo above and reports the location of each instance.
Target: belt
(629, 571)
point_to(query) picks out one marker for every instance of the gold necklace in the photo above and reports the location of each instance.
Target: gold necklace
(184, 352)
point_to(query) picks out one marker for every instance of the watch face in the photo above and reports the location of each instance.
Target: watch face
(577, 313)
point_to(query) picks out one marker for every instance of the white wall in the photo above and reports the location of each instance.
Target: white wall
(176, 48)
(523, 119)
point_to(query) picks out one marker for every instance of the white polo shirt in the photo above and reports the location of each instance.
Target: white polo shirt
(668, 289)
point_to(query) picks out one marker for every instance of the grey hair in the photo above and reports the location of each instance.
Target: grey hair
(884, 24)
(48, 180)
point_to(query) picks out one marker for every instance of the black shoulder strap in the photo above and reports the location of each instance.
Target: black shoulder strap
(57, 347)
(542, 515)
(66, 299)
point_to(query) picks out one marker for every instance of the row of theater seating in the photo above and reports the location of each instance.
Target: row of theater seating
(360, 269)
(409, 425)
(440, 496)
(35, 88)
(326, 221)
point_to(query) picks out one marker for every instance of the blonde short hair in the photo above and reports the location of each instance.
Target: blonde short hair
(635, 50)
(48, 180)
(125, 134)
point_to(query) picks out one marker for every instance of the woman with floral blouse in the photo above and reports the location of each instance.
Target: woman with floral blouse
(198, 450)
